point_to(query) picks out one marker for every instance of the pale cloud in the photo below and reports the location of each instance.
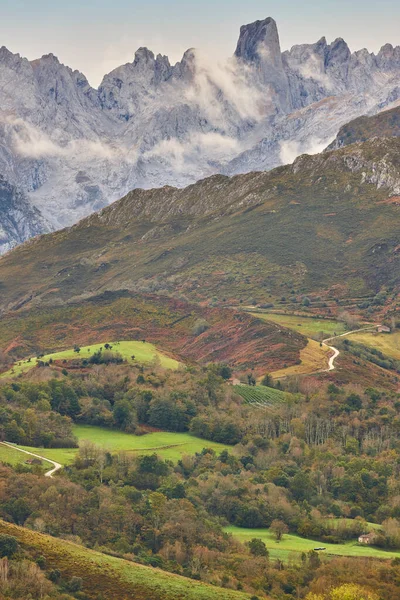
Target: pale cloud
(291, 149)
(180, 154)
(313, 68)
(30, 142)
(218, 82)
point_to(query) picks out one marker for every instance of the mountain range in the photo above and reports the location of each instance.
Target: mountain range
(326, 226)
(67, 149)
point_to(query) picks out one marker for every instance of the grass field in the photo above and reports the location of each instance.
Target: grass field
(308, 326)
(293, 545)
(143, 352)
(260, 395)
(105, 576)
(313, 358)
(388, 344)
(170, 446)
(13, 457)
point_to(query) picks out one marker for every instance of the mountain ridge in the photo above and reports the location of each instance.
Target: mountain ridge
(72, 149)
(326, 225)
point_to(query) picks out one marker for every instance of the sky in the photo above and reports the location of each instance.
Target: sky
(95, 36)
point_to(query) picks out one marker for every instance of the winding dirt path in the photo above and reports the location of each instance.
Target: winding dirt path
(56, 465)
(336, 352)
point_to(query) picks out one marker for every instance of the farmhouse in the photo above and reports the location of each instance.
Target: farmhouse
(367, 538)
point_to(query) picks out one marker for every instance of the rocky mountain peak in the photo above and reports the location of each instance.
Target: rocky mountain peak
(259, 43)
(5, 53)
(150, 123)
(143, 56)
(338, 51)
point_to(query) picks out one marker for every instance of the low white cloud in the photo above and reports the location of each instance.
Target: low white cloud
(219, 85)
(180, 154)
(313, 68)
(31, 142)
(291, 149)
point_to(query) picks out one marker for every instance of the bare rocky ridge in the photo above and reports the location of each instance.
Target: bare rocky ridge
(72, 149)
(19, 221)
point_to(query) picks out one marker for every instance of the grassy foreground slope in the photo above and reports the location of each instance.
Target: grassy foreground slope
(108, 577)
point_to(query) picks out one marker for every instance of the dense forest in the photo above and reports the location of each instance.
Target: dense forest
(322, 463)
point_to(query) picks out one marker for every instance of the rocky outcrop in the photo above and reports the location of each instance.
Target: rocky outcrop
(384, 125)
(19, 221)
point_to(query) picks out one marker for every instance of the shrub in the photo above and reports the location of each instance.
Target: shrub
(200, 327)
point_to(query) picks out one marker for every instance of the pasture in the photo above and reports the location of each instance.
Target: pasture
(313, 357)
(308, 326)
(293, 545)
(388, 344)
(13, 457)
(169, 446)
(143, 352)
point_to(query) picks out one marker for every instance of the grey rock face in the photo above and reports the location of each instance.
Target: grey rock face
(19, 221)
(73, 149)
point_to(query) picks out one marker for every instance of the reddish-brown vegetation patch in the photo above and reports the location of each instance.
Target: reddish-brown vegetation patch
(234, 337)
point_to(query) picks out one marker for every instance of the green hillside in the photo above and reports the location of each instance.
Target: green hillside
(319, 226)
(234, 337)
(108, 577)
(131, 351)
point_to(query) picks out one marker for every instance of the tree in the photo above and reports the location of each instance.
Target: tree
(279, 528)
(122, 414)
(267, 380)
(251, 379)
(258, 548)
(8, 545)
(349, 320)
(224, 371)
(74, 584)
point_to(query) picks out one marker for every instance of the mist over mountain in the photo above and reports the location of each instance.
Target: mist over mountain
(71, 149)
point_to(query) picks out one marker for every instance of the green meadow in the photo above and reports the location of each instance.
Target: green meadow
(291, 546)
(144, 352)
(308, 326)
(169, 446)
(13, 457)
